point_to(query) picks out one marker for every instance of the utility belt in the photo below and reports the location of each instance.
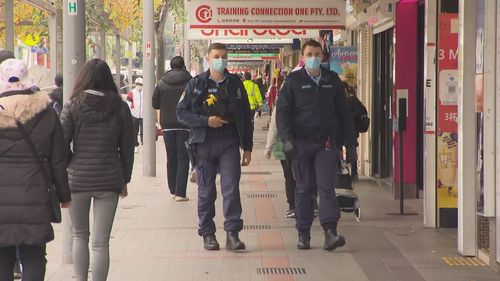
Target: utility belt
(314, 138)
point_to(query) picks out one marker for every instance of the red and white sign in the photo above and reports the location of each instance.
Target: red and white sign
(290, 14)
(148, 50)
(197, 34)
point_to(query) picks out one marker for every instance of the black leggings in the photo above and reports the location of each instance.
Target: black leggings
(289, 183)
(32, 259)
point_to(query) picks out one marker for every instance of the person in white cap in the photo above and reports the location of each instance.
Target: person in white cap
(135, 100)
(31, 148)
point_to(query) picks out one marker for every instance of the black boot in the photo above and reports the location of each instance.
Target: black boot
(304, 241)
(210, 242)
(332, 240)
(233, 242)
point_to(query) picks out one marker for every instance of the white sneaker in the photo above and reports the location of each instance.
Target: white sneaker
(181, 199)
(136, 149)
(193, 177)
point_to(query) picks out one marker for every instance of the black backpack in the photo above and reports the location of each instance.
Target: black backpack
(360, 114)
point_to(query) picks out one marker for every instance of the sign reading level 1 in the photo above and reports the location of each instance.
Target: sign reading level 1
(72, 7)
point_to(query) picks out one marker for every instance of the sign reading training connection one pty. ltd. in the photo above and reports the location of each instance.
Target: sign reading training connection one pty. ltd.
(291, 14)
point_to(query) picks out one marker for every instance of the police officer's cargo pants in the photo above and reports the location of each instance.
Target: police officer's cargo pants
(220, 151)
(314, 163)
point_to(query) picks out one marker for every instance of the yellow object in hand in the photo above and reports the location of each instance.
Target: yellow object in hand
(211, 100)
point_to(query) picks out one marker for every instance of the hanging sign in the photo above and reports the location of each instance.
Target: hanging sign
(291, 14)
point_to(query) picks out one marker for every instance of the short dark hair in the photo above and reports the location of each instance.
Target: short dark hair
(5, 55)
(247, 76)
(217, 46)
(177, 63)
(95, 75)
(59, 80)
(310, 43)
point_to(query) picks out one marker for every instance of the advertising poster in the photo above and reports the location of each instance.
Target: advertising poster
(344, 61)
(447, 164)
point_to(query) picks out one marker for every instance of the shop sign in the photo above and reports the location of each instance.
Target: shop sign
(221, 33)
(344, 61)
(253, 57)
(291, 14)
(447, 117)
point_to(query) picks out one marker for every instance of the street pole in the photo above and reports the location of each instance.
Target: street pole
(130, 59)
(187, 44)
(9, 25)
(149, 116)
(102, 51)
(74, 58)
(53, 44)
(117, 61)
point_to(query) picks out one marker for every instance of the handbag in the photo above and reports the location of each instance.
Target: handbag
(54, 200)
(344, 168)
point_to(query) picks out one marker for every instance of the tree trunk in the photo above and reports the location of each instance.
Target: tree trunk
(59, 38)
(160, 40)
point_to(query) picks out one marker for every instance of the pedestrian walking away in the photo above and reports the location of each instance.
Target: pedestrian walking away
(99, 125)
(135, 100)
(274, 146)
(254, 95)
(312, 110)
(31, 148)
(175, 135)
(215, 108)
(56, 96)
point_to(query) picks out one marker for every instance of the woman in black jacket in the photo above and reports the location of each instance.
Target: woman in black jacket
(25, 210)
(99, 125)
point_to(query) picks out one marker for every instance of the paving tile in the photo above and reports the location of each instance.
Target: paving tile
(155, 238)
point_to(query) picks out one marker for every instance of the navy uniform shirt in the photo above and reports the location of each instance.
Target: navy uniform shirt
(219, 90)
(314, 111)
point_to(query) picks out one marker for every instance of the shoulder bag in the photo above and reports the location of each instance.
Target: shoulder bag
(54, 200)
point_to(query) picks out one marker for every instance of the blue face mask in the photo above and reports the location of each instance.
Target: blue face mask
(312, 63)
(219, 65)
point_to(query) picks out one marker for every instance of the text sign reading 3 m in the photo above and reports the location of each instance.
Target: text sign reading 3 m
(72, 7)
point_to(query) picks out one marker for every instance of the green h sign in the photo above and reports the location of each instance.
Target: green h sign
(72, 7)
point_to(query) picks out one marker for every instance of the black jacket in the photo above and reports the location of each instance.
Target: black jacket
(100, 128)
(56, 97)
(166, 96)
(306, 110)
(191, 113)
(25, 211)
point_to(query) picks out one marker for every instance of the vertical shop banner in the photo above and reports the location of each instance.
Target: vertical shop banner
(447, 162)
(344, 61)
(479, 103)
(290, 14)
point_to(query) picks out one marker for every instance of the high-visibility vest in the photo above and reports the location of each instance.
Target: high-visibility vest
(254, 95)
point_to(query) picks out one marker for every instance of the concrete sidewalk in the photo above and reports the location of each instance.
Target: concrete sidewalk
(155, 238)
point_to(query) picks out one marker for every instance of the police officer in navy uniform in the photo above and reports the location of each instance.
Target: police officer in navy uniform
(312, 112)
(215, 107)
